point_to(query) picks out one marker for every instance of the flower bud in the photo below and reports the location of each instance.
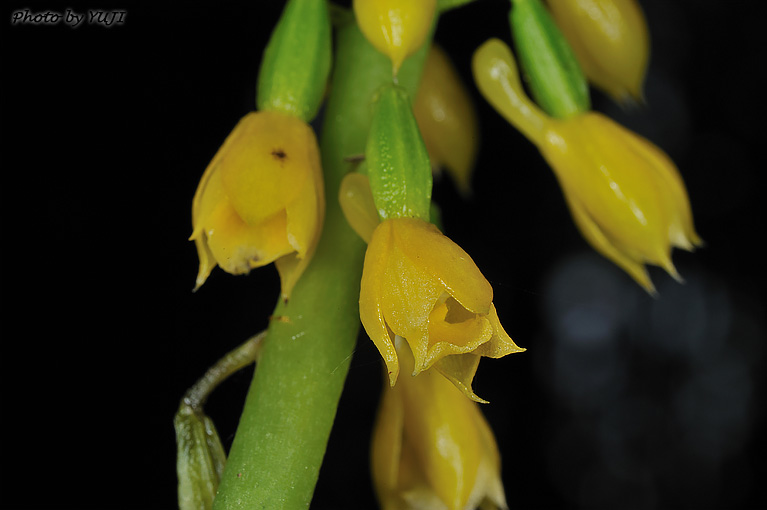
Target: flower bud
(200, 459)
(446, 119)
(261, 199)
(296, 63)
(397, 28)
(552, 71)
(610, 40)
(432, 448)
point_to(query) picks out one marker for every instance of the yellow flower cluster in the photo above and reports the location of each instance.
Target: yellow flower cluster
(422, 300)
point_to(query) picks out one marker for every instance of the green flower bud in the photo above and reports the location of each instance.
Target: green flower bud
(296, 62)
(200, 460)
(398, 164)
(555, 78)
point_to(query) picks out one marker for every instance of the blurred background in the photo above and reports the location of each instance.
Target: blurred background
(621, 400)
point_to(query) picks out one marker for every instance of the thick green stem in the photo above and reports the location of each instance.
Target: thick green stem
(280, 442)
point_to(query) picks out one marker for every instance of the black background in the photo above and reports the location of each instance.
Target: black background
(106, 132)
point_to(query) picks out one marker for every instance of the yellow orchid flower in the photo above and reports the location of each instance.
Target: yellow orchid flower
(610, 40)
(261, 199)
(418, 284)
(396, 28)
(432, 448)
(625, 194)
(446, 119)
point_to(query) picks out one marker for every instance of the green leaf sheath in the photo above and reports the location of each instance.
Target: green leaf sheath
(397, 161)
(277, 451)
(553, 74)
(296, 62)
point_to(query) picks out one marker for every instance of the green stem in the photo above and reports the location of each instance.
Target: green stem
(277, 451)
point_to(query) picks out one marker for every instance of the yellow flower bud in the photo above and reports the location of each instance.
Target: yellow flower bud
(418, 284)
(625, 194)
(261, 199)
(446, 119)
(432, 448)
(396, 28)
(610, 40)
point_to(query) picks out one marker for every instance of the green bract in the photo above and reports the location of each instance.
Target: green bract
(397, 161)
(296, 62)
(552, 71)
